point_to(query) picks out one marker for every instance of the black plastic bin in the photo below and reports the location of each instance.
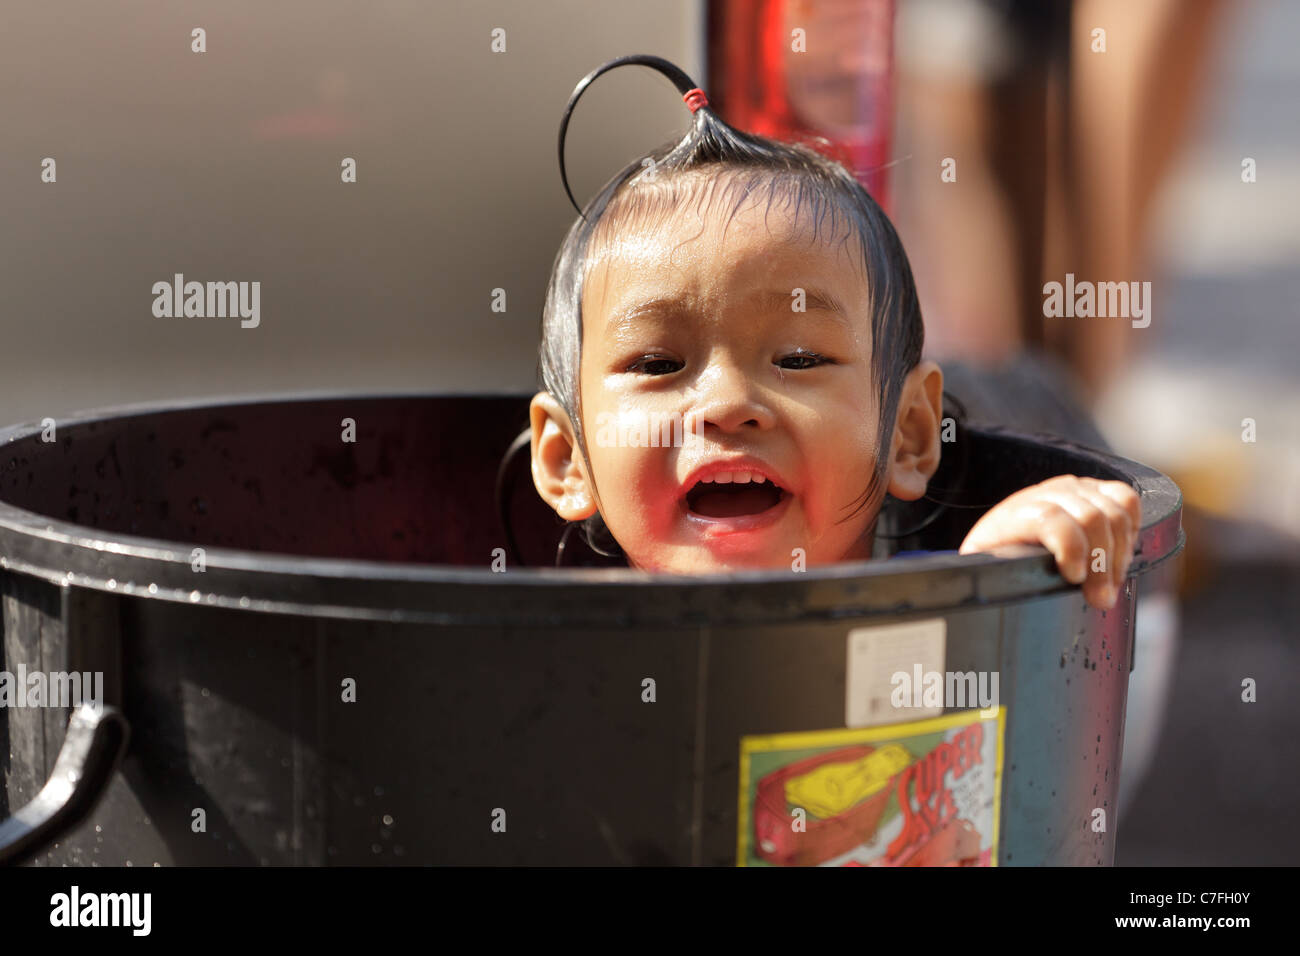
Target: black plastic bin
(504, 717)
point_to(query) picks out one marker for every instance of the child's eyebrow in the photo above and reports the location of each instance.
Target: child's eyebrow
(815, 299)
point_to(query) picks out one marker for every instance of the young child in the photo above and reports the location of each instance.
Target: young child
(752, 294)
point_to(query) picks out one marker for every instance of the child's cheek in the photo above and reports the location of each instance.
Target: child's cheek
(636, 501)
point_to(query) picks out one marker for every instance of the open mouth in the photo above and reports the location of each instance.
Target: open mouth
(731, 499)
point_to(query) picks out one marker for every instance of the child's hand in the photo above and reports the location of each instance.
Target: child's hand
(1071, 517)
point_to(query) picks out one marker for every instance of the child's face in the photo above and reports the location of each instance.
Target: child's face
(687, 328)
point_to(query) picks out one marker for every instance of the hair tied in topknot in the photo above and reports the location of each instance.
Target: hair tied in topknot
(691, 94)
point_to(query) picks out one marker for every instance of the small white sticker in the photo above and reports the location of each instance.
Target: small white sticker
(876, 655)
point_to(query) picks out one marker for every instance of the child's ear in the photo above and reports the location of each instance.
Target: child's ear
(558, 473)
(914, 454)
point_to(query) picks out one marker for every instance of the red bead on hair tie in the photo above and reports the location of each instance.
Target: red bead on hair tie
(695, 99)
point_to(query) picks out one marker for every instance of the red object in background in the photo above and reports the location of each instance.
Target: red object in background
(839, 87)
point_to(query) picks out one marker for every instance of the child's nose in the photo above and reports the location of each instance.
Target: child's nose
(729, 399)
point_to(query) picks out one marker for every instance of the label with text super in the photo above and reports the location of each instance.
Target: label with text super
(925, 793)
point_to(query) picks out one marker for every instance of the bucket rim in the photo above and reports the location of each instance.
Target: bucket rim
(73, 555)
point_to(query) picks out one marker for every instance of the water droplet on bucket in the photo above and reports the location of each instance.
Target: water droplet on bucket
(112, 584)
(153, 589)
(243, 602)
(388, 819)
(194, 596)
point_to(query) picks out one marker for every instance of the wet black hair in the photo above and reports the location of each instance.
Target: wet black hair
(749, 163)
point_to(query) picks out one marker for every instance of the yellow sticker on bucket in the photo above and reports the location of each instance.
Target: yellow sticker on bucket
(831, 788)
(924, 793)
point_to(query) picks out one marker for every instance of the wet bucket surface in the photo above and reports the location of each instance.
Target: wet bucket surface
(502, 717)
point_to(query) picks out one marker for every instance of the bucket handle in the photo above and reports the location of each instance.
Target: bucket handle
(92, 749)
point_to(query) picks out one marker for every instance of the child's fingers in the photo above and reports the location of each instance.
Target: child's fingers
(1099, 587)
(1061, 533)
(1090, 526)
(1127, 499)
(1122, 532)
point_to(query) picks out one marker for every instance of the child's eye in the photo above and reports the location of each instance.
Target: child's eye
(655, 365)
(804, 359)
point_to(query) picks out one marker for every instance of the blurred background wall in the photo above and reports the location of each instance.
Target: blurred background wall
(1135, 171)
(225, 166)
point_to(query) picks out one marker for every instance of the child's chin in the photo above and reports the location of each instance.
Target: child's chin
(704, 560)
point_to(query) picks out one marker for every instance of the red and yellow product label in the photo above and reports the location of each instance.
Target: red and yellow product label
(925, 793)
